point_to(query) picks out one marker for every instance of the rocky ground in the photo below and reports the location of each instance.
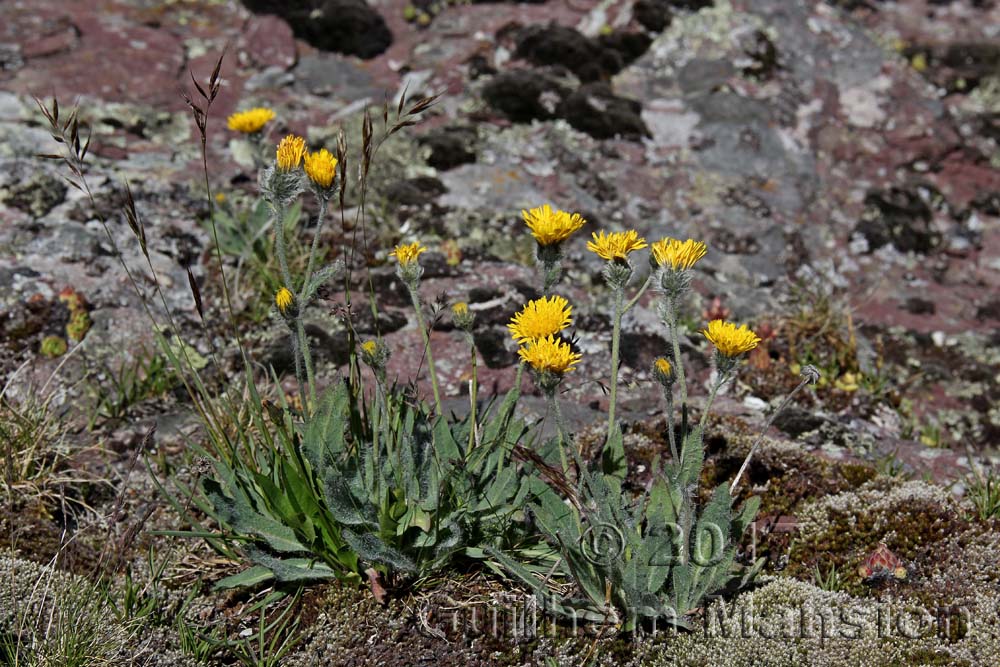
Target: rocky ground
(839, 158)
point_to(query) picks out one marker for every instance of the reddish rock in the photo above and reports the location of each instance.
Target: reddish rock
(267, 41)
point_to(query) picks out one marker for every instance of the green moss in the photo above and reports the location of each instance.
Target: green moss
(78, 326)
(52, 347)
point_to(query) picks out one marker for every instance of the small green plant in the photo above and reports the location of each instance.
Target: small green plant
(244, 234)
(983, 490)
(830, 581)
(116, 391)
(34, 450)
(890, 465)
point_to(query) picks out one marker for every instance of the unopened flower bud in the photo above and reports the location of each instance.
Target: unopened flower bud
(462, 316)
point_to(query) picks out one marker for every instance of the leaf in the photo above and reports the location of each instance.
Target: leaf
(345, 508)
(252, 576)
(373, 550)
(323, 438)
(613, 457)
(246, 521)
(745, 516)
(291, 569)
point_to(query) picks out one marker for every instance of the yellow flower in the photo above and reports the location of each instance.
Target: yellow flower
(663, 366)
(730, 340)
(284, 300)
(407, 254)
(550, 354)
(663, 372)
(249, 121)
(548, 226)
(540, 318)
(290, 152)
(369, 347)
(460, 309)
(679, 255)
(321, 167)
(616, 245)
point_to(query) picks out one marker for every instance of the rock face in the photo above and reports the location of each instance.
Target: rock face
(343, 26)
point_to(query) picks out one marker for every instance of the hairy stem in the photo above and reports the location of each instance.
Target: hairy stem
(719, 381)
(425, 332)
(675, 341)
(561, 428)
(642, 290)
(668, 393)
(320, 219)
(300, 330)
(615, 343)
(473, 392)
(279, 244)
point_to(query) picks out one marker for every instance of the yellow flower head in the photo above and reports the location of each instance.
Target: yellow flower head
(320, 167)
(284, 300)
(249, 121)
(680, 255)
(407, 254)
(730, 340)
(662, 366)
(369, 347)
(461, 309)
(616, 245)
(550, 354)
(290, 152)
(549, 227)
(540, 318)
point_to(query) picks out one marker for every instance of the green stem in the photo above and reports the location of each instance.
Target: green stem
(279, 245)
(473, 392)
(297, 354)
(668, 393)
(721, 380)
(642, 290)
(519, 377)
(561, 428)
(300, 330)
(615, 343)
(320, 219)
(427, 349)
(675, 341)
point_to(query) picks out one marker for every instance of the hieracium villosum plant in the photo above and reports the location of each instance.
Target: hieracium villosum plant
(361, 479)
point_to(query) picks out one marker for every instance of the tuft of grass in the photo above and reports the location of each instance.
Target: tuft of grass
(983, 490)
(114, 392)
(830, 581)
(35, 454)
